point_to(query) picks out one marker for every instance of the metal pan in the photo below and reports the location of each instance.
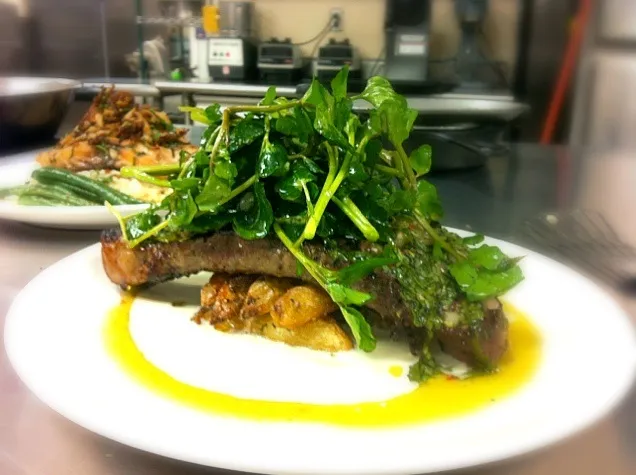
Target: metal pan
(31, 109)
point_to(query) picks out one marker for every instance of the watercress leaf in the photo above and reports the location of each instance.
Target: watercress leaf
(140, 223)
(311, 166)
(341, 114)
(358, 270)
(213, 114)
(246, 202)
(324, 124)
(317, 94)
(473, 240)
(360, 329)
(351, 127)
(339, 83)
(183, 184)
(226, 170)
(373, 126)
(481, 284)
(245, 132)
(257, 221)
(270, 96)
(328, 224)
(208, 222)
(304, 124)
(421, 159)
(286, 125)
(378, 90)
(273, 160)
(289, 188)
(202, 158)
(293, 231)
(398, 120)
(428, 201)
(214, 191)
(489, 257)
(344, 295)
(196, 114)
(372, 153)
(183, 209)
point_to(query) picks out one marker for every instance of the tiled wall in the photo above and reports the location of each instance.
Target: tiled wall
(65, 34)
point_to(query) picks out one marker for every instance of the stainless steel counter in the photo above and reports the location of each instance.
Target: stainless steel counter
(495, 200)
(500, 107)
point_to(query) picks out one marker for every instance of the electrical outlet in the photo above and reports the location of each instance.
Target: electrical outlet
(335, 16)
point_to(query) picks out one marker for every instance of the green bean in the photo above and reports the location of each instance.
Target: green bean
(11, 191)
(31, 200)
(55, 193)
(52, 175)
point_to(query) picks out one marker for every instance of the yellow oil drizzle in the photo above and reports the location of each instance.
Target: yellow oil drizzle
(396, 371)
(438, 398)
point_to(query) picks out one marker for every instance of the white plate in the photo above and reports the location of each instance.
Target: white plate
(54, 339)
(17, 170)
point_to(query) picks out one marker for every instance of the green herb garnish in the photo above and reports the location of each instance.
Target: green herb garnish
(310, 169)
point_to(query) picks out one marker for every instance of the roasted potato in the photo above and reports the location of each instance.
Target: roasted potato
(322, 334)
(262, 295)
(223, 297)
(300, 305)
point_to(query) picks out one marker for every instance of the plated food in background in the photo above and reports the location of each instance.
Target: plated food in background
(312, 227)
(88, 166)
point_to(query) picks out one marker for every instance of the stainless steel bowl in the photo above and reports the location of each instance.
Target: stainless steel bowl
(31, 109)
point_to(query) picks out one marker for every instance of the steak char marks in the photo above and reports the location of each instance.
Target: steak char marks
(479, 345)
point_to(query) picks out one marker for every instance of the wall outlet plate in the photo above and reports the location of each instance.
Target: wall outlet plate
(335, 17)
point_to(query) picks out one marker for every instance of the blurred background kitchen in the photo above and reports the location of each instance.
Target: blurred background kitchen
(481, 72)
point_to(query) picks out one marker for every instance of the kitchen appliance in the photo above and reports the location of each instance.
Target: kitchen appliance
(471, 60)
(236, 19)
(333, 56)
(407, 35)
(32, 109)
(279, 61)
(232, 58)
(233, 54)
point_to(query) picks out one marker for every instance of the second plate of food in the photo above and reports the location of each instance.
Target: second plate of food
(66, 186)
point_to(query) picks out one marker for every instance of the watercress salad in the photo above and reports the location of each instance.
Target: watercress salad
(310, 169)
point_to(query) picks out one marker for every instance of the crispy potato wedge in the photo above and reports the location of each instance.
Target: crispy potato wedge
(300, 305)
(262, 295)
(323, 334)
(223, 297)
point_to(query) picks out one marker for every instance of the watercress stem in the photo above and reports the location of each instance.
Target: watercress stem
(264, 109)
(150, 233)
(297, 252)
(436, 237)
(132, 172)
(406, 163)
(389, 171)
(160, 170)
(238, 190)
(349, 208)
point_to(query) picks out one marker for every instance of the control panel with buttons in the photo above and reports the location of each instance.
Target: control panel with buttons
(225, 52)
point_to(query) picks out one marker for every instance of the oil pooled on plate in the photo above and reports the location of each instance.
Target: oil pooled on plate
(442, 397)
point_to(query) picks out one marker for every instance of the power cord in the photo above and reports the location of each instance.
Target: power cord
(320, 35)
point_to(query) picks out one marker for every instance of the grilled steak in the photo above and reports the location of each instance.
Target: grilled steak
(480, 344)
